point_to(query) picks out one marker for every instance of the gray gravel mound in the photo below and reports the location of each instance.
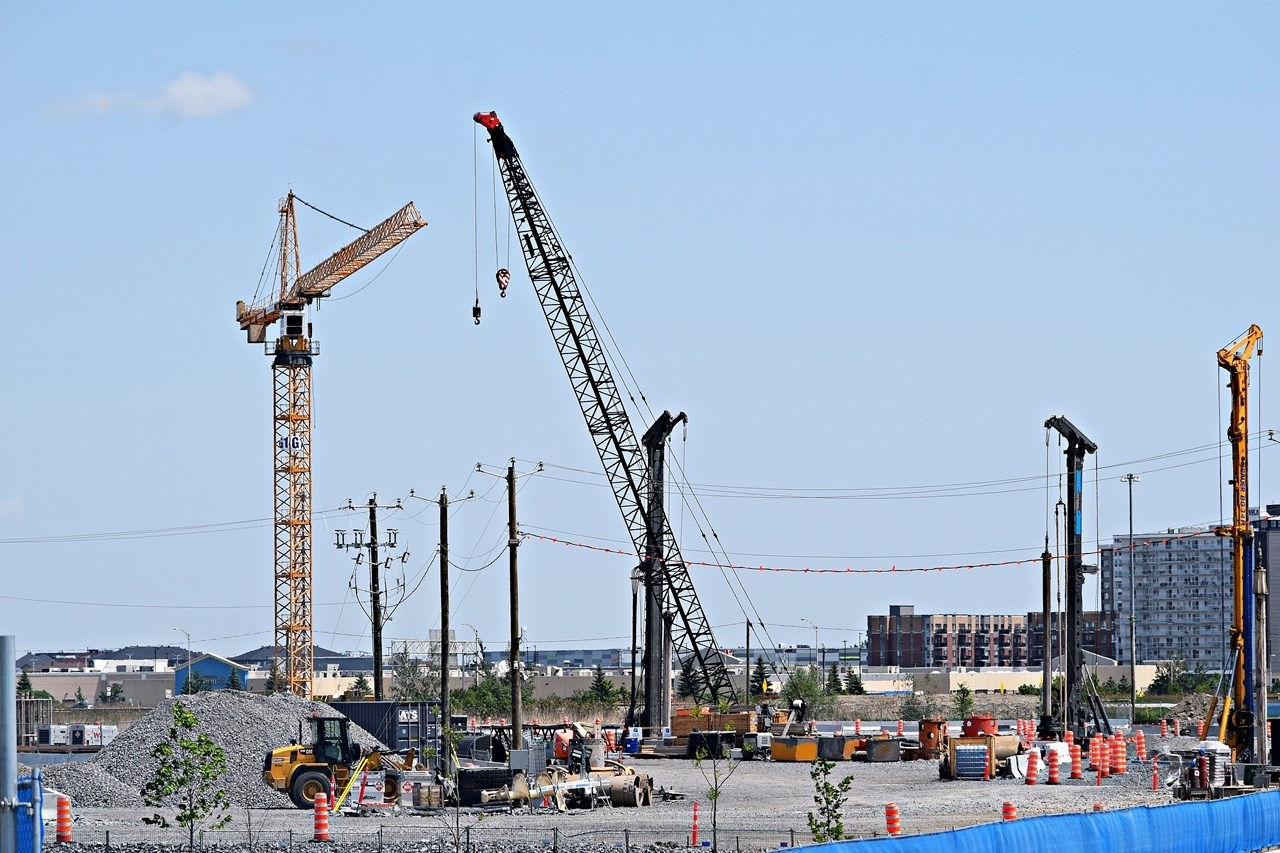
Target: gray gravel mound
(245, 725)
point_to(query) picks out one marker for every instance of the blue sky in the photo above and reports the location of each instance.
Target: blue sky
(864, 247)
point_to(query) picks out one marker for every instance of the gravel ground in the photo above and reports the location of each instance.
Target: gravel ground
(760, 804)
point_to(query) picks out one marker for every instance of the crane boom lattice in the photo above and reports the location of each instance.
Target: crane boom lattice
(551, 271)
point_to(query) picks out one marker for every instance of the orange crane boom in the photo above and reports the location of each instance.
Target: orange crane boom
(292, 355)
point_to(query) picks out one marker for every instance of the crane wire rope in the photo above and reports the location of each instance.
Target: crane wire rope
(328, 214)
(475, 210)
(271, 255)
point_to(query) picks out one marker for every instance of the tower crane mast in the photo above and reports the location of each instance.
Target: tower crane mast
(551, 271)
(1236, 727)
(292, 354)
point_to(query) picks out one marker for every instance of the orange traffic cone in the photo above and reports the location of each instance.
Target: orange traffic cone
(892, 820)
(1010, 811)
(322, 817)
(64, 820)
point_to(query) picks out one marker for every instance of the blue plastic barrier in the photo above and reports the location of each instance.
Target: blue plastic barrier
(30, 822)
(1236, 825)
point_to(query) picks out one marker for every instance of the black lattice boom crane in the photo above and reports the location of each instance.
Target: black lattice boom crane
(552, 274)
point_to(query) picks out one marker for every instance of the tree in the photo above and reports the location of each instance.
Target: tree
(803, 685)
(232, 682)
(601, 689)
(828, 823)
(758, 677)
(721, 769)
(113, 696)
(24, 684)
(835, 684)
(79, 695)
(187, 772)
(361, 687)
(962, 702)
(853, 685)
(684, 683)
(195, 683)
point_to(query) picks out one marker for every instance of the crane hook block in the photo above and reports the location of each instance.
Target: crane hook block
(504, 279)
(475, 312)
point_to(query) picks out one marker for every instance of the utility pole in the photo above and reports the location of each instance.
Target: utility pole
(1133, 603)
(445, 723)
(513, 543)
(375, 591)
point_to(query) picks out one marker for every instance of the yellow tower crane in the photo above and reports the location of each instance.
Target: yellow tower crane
(292, 354)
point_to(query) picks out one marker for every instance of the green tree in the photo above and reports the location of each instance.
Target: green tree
(79, 695)
(828, 823)
(758, 677)
(684, 682)
(232, 682)
(195, 683)
(721, 768)
(804, 685)
(414, 682)
(24, 684)
(601, 689)
(187, 772)
(853, 685)
(1028, 690)
(835, 684)
(361, 688)
(962, 702)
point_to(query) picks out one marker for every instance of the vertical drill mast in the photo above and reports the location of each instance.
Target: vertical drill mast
(564, 308)
(1237, 723)
(1077, 446)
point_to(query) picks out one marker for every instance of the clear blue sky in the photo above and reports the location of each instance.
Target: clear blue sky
(865, 247)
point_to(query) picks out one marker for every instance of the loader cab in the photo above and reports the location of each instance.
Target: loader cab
(330, 738)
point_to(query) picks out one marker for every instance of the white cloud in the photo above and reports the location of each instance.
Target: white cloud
(190, 95)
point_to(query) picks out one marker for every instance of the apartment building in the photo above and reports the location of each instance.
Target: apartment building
(907, 639)
(1182, 595)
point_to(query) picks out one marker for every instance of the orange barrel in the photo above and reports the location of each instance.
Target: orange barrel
(1077, 772)
(1068, 736)
(64, 820)
(1054, 769)
(1099, 807)
(1120, 762)
(857, 727)
(892, 821)
(1203, 764)
(1140, 744)
(1033, 767)
(978, 725)
(1010, 811)
(1164, 728)
(1200, 730)
(322, 817)
(1177, 727)
(610, 741)
(902, 728)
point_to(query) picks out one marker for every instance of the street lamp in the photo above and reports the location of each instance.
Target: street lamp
(815, 643)
(476, 671)
(188, 636)
(1133, 619)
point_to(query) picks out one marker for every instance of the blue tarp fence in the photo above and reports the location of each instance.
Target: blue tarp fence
(30, 821)
(1241, 824)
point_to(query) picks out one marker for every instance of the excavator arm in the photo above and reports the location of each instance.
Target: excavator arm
(551, 271)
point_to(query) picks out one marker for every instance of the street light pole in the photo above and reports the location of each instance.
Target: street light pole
(188, 636)
(1133, 618)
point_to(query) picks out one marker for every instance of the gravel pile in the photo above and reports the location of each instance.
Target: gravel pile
(245, 725)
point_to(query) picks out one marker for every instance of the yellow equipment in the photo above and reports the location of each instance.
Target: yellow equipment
(328, 760)
(1235, 727)
(291, 367)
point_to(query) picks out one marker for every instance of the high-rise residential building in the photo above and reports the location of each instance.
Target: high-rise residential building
(907, 639)
(1182, 596)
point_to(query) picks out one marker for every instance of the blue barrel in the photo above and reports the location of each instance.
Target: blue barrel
(631, 745)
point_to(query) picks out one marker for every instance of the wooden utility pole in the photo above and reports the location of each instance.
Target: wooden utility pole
(375, 584)
(513, 542)
(444, 723)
